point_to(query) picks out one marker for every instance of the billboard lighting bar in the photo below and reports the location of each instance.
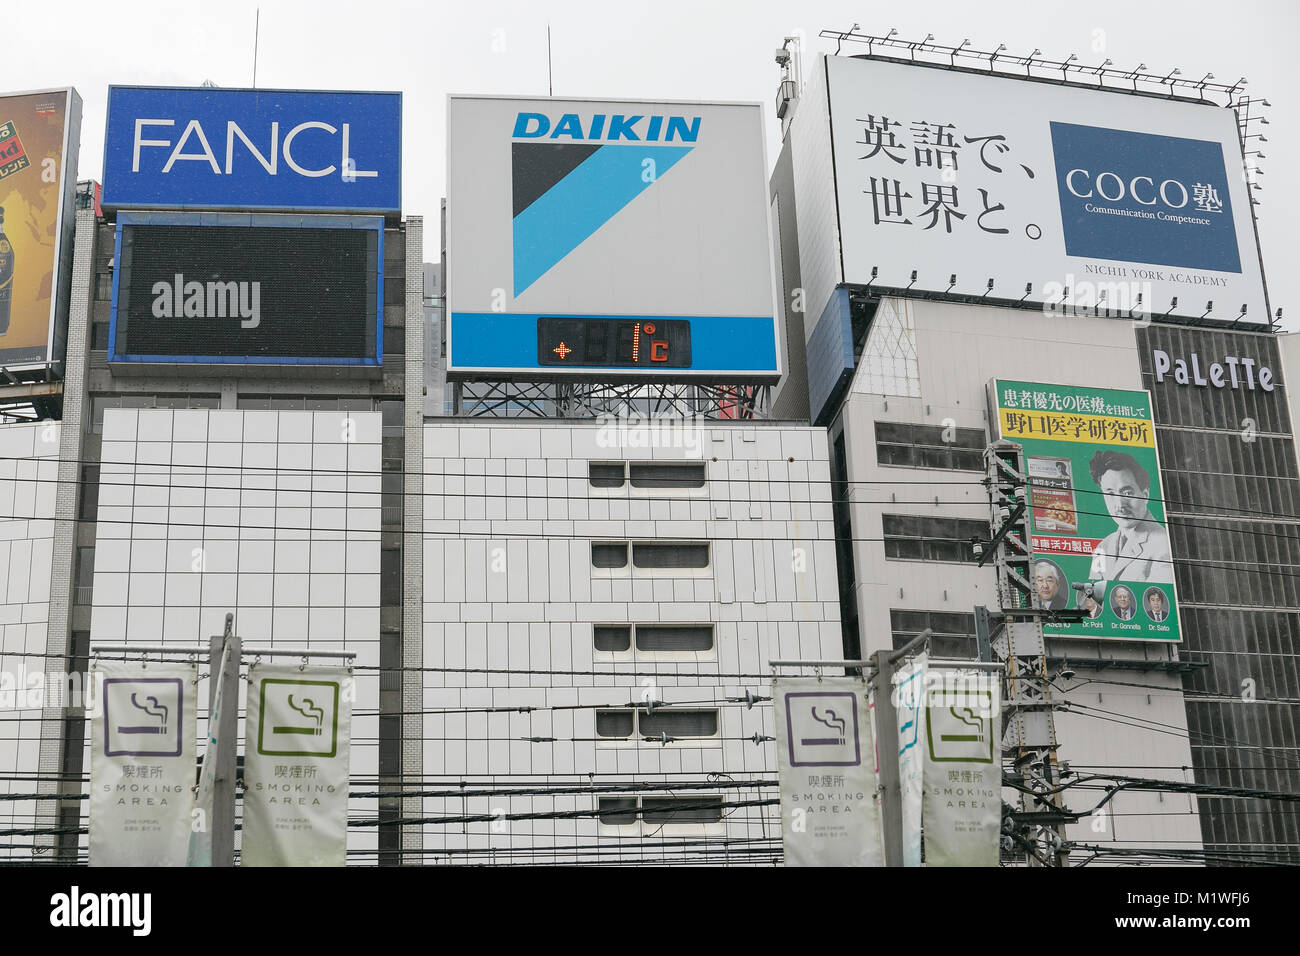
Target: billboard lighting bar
(1241, 315)
(952, 281)
(1106, 76)
(909, 285)
(1029, 288)
(989, 289)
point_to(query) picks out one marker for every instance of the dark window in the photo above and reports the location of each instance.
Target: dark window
(925, 538)
(663, 637)
(678, 723)
(953, 633)
(693, 809)
(98, 336)
(673, 555)
(614, 723)
(612, 637)
(609, 555)
(605, 475)
(617, 811)
(390, 577)
(85, 577)
(103, 286)
(930, 446)
(89, 492)
(623, 811)
(645, 474)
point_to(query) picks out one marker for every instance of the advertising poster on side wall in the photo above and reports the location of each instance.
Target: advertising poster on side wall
(1096, 507)
(39, 135)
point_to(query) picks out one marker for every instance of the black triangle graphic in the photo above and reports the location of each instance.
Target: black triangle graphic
(536, 167)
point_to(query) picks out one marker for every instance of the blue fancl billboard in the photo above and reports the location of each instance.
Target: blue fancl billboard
(609, 241)
(209, 148)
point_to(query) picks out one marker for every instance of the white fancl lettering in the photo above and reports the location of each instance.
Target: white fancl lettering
(233, 130)
(207, 154)
(140, 124)
(288, 145)
(349, 166)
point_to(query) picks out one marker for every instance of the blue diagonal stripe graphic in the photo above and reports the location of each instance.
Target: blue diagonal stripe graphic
(580, 203)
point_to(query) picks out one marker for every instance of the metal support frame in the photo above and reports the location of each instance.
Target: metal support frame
(585, 400)
(1029, 727)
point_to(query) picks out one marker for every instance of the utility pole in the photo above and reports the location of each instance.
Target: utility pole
(1014, 639)
(224, 670)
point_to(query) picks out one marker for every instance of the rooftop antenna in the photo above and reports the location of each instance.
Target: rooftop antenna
(257, 27)
(550, 89)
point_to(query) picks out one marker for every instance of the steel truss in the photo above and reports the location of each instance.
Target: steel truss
(509, 399)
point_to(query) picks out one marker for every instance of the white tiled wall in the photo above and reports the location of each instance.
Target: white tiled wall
(511, 597)
(272, 515)
(28, 480)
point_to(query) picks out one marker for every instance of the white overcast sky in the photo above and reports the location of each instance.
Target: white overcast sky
(670, 49)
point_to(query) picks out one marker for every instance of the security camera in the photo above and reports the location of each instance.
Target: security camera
(782, 57)
(1067, 673)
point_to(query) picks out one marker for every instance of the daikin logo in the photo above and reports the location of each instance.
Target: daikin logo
(602, 126)
(572, 174)
(208, 300)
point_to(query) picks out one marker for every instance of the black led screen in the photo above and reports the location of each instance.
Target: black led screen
(247, 293)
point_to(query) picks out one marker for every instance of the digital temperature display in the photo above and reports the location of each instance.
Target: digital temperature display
(613, 343)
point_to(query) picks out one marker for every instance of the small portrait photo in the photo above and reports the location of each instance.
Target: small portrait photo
(1090, 604)
(1050, 590)
(1123, 603)
(1155, 604)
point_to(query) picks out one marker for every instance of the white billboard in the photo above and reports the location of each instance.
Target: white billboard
(947, 181)
(608, 240)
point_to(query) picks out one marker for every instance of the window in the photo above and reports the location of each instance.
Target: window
(390, 577)
(674, 474)
(653, 639)
(930, 446)
(98, 336)
(671, 555)
(647, 475)
(676, 724)
(651, 555)
(924, 538)
(953, 631)
(103, 286)
(655, 812)
(674, 637)
(612, 638)
(605, 474)
(83, 593)
(609, 555)
(89, 492)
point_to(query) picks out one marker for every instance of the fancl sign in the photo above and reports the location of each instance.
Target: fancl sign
(1232, 372)
(207, 148)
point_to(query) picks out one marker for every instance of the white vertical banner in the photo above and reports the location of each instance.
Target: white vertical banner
(826, 763)
(962, 805)
(200, 848)
(909, 693)
(297, 744)
(142, 732)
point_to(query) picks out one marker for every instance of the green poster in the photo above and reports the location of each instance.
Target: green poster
(1096, 507)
